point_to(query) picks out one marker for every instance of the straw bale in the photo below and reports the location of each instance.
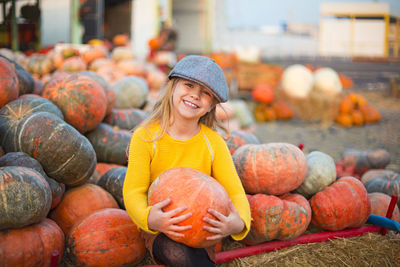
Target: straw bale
(316, 107)
(368, 250)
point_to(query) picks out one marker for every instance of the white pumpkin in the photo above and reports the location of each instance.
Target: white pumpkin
(297, 81)
(130, 92)
(321, 173)
(327, 81)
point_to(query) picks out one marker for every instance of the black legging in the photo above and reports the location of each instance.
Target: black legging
(174, 254)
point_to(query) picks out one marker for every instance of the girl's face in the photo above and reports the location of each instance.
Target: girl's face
(191, 100)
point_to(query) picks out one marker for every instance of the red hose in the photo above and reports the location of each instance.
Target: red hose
(275, 245)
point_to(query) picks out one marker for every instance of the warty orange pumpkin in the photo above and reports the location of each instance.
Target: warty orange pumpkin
(283, 218)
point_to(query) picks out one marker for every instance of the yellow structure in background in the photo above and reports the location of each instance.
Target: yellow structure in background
(359, 30)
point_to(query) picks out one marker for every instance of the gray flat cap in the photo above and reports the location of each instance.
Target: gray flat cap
(204, 71)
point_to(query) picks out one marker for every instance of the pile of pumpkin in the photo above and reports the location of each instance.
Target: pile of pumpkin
(267, 108)
(356, 111)
(65, 163)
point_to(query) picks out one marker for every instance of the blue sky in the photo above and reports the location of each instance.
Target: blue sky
(255, 13)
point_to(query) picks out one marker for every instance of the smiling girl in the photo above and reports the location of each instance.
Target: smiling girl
(181, 132)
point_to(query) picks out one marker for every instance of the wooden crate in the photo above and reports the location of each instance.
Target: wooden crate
(249, 75)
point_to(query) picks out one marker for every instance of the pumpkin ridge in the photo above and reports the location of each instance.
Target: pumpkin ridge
(90, 234)
(62, 165)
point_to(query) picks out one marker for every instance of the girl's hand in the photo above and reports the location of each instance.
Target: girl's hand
(224, 225)
(166, 222)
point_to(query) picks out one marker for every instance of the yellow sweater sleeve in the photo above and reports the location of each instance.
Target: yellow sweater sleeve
(137, 179)
(224, 172)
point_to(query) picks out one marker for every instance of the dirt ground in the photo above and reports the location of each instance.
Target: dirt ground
(334, 139)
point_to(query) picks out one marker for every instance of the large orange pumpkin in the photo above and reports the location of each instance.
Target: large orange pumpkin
(79, 202)
(106, 237)
(284, 218)
(32, 245)
(196, 190)
(343, 204)
(9, 88)
(81, 99)
(273, 168)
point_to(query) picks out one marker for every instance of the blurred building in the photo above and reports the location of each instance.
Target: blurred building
(359, 30)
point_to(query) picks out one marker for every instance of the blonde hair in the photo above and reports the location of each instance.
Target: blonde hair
(162, 112)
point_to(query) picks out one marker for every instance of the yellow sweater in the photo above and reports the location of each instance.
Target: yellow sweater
(206, 152)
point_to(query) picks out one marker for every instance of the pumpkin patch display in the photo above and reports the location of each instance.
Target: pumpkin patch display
(106, 237)
(113, 181)
(110, 144)
(25, 195)
(380, 204)
(9, 86)
(32, 245)
(356, 111)
(273, 168)
(283, 218)
(185, 187)
(79, 202)
(81, 99)
(343, 204)
(321, 173)
(238, 138)
(65, 154)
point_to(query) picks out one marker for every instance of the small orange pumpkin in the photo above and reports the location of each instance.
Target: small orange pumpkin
(269, 113)
(263, 93)
(121, 39)
(344, 119)
(357, 117)
(282, 110)
(346, 106)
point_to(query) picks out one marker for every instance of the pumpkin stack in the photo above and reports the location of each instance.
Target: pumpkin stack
(267, 108)
(269, 172)
(356, 111)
